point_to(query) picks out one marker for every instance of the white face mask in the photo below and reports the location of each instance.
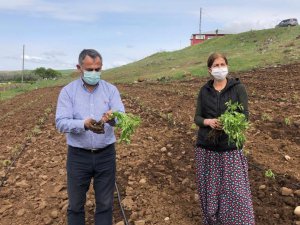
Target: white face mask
(219, 73)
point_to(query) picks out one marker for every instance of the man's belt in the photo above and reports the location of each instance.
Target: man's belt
(93, 150)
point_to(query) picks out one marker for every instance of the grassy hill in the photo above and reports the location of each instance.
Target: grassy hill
(244, 51)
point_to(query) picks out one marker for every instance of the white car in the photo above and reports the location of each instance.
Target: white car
(288, 23)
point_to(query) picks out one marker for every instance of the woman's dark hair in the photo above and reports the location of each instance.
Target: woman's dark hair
(213, 57)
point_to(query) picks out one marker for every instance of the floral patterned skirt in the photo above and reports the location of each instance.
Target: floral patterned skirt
(223, 186)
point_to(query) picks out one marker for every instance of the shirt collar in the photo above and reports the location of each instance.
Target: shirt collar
(84, 86)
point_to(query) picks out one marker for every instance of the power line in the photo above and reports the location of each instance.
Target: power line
(200, 21)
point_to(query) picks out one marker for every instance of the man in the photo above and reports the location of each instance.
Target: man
(91, 151)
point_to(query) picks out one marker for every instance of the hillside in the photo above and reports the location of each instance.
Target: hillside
(245, 51)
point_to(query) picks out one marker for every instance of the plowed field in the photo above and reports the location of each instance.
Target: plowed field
(156, 173)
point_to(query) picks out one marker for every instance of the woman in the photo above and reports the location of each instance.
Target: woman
(222, 169)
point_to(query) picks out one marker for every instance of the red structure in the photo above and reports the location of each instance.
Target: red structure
(199, 38)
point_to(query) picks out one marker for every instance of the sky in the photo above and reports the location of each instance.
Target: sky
(54, 32)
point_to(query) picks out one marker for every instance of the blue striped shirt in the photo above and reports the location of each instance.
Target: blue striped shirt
(76, 104)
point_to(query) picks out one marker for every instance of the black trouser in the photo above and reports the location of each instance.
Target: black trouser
(82, 166)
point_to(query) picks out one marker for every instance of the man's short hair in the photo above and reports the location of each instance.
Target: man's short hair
(90, 52)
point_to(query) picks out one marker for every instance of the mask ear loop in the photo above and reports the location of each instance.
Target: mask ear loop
(209, 70)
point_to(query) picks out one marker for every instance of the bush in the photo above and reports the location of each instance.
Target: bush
(46, 73)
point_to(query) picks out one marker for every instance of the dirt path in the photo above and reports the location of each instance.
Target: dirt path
(156, 172)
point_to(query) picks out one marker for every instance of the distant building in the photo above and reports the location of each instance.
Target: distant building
(199, 38)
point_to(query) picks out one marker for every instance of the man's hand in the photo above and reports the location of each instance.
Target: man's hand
(94, 126)
(106, 118)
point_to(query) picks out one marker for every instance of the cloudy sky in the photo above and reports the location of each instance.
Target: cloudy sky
(55, 31)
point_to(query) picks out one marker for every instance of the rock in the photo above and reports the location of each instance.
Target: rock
(2, 173)
(297, 193)
(48, 220)
(297, 222)
(142, 181)
(163, 149)
(160, 168)
(62, 204)
(286, 191)
(21, 212)
(169, 154)
(22, 184)
(42, 204)
(58, 188)
(140, 222)
(167, 218)
(128, 203)
(134, 216)
(297, 211)
(131, 178)
(54, 214)
(61, 172)
(185, 181)
(262, 187)
(129, 190)
(277, 216)
(64, 209)
(140, 79)
(43, 183)
(287, 157)
(120, 223)
(4, 208)
(89, 203)
(44, 177)
(196, 197)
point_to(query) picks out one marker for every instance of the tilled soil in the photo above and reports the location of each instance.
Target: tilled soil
(156, 172)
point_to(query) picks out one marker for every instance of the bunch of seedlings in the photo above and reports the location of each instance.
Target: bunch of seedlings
(233, 123)
(125, 122)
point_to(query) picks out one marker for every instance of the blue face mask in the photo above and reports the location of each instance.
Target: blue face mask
(91, 77)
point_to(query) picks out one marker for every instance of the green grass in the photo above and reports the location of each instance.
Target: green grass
(244, 51)
(25, 87)
(11, 89)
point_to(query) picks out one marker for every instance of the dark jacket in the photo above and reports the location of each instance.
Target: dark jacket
(210, 105)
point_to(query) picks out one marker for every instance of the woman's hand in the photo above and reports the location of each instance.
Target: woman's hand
(213, 123)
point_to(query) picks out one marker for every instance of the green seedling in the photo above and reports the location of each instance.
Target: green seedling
(287, 121)
(269, 174)
(234, 124)
(127, 123)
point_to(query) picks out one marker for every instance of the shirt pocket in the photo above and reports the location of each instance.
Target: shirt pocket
(80, 111)
(103, 106)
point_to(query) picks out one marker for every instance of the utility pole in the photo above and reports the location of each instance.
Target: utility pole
(200, 21)
(23, 64)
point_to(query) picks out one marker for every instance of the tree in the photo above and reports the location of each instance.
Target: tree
(51, 74)
(40, 72)
(46, 73)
